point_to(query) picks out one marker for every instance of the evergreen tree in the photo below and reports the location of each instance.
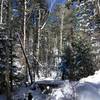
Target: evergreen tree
(78, 62)
(84, 17)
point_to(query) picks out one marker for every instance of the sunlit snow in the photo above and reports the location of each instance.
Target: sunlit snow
(86, 89)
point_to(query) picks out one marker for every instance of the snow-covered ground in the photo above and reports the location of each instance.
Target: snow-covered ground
(89, 88)
(86, 89)
(22, 94)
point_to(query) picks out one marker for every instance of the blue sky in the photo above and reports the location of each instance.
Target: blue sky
(52, 3)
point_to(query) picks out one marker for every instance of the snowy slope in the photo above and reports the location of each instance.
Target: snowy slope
(89, 88)
(86, 89)
(93, 79)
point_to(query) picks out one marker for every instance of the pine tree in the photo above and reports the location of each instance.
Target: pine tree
(84, 17)
(78, 60)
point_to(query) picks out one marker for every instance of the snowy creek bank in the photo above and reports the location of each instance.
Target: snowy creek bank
(81, 91)
(86, 89)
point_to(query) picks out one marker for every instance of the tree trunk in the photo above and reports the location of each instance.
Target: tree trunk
(7, 80)
(38, 40)
(24, 29)
(97, 5)
(7, 76)
(46, 74)
(1, 12)
(61, 29)
(11, 60)
(26, 60)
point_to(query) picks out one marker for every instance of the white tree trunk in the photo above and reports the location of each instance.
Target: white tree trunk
(38, 41)
(61, 29)
(98, 6)
(55, 51)
(46, 74)
(24, 38)
(1, 12)
(39, 31)
(24, 27)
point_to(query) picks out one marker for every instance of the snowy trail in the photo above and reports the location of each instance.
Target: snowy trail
(86, 89)
(22, 94)
(89, 88)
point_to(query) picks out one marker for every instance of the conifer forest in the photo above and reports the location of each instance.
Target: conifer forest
(49, 49)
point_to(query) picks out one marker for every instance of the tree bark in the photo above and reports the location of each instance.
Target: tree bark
(98, 7)
(1, 12)
(7, 79)
(61, 29)
(27, 62)
(24, 31)
(24, 28)
(38, 40)
(9, 67)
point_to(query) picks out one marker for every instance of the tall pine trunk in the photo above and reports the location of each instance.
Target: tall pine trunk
(7, 75)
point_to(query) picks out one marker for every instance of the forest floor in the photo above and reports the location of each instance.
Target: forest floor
(86, 89)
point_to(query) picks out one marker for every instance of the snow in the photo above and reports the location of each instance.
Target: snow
(22, 94)
(63, 92)
(89, 88)
(85, 89)
(92, 79)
